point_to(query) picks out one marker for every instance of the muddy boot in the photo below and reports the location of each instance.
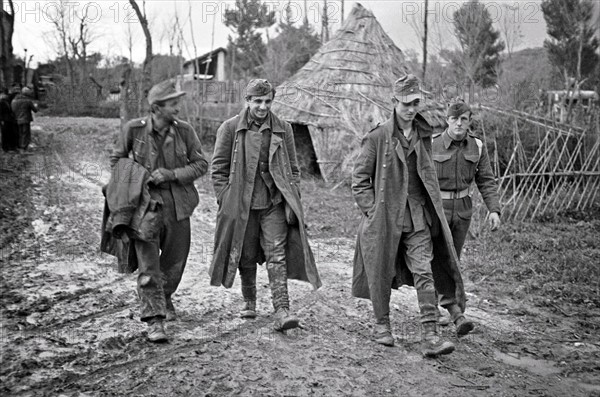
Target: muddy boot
(382, 332)
(279, 295)
(431, 344)
(248, 310)
(462, 324)
(284, 320)
(156, 331)
(171, 314)
(248, 277)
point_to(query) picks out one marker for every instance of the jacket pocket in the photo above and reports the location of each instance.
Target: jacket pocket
(470, 165)
(151, 222)
(442, 164)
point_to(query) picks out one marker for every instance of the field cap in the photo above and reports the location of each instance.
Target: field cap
(258, 87)
(457, 107)
(163, 91)
(408, 88)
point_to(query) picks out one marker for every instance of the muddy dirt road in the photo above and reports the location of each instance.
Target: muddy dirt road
(70, 323)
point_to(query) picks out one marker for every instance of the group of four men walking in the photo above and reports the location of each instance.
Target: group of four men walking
(410, 233)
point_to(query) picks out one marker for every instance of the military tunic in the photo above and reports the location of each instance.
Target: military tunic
(458, 164)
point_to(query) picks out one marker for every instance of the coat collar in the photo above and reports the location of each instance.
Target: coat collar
(277, 125)
(420, 125)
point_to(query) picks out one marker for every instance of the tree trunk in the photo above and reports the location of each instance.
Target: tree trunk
(125, 103)
(147, 65)
(424, 43)
(7, 24)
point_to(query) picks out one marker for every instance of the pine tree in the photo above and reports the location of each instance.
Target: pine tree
(480, 45)
(572, 45)
(247, 49)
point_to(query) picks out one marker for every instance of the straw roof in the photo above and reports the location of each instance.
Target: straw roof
(346, 87)
(353, 71)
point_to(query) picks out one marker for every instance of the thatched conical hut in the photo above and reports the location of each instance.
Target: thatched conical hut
(343, 92)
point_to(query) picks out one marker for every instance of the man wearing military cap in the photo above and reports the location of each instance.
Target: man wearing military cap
(403, 237)
(257, 185)
(169, 150)
(460, 159)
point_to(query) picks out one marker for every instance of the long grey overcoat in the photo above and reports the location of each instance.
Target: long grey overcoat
(380, 188)
(234, 165)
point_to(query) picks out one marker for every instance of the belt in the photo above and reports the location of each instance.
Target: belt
(453, 194)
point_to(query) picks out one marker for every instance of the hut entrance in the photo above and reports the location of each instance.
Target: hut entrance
(305, 151)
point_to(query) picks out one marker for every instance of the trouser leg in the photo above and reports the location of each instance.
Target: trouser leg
(458, 215)
(175, 240)
(24, 135)
(273, 239)
(150, 280)
(249, 256)
(417, 248)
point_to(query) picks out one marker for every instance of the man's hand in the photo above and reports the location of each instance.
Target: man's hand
(494, 221)
(161, 175)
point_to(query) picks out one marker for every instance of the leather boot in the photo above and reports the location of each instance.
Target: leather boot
(248, 278)
(462, 324)
(248, 310)
(171, 314)
(284, 320)
(431, 344)
(156, 331)
(382, 332)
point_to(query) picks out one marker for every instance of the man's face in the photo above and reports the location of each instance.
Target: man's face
(458, 126)
(259, 106)
(169, 110)
(407, 110)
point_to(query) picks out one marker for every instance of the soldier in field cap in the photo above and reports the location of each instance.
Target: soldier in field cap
(403, 237)
(461, 158)
(257, 185)
(169, 151)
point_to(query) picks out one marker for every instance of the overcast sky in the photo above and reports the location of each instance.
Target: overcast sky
(113, 19)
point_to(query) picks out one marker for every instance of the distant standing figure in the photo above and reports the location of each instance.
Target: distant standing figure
(461, 159)
(23, 107)
(8, 125)
(167, 152)
(256, 179)
(403, 237)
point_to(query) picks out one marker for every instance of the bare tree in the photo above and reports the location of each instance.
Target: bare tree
(510, 27)
(60, 39)
(147, 65)
(7, 27)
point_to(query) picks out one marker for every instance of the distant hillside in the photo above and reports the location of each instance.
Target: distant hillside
(524, 75)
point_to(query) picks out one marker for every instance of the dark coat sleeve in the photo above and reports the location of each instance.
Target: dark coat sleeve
(486, 182)
(197, 164)
(291, 150)
(363, 174)
(221, 161)
(122, 146)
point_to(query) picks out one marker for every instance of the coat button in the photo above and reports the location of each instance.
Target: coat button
(384, 166)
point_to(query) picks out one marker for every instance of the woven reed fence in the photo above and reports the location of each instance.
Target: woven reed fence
(557, 170)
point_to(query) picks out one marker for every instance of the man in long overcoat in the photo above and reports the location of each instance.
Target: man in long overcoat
(256, 180)
(403, 237)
